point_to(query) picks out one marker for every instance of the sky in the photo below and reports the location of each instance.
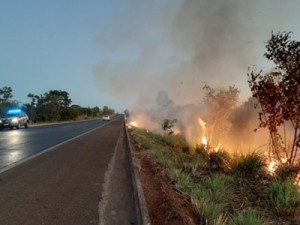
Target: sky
(122, 53)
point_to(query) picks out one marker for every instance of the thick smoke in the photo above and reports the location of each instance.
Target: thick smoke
(245, 133)
(159, 45)
(163, 52)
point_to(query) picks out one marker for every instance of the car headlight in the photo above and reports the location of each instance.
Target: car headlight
(14, 120)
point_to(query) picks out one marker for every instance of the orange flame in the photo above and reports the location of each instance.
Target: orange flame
(202, 124)
(272, 167)
(218, 148)
(132, 124)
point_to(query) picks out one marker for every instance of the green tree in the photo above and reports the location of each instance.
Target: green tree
(6, 94)
(278, 95)
(51, 106)
(5, 98)
(107, 111)
(96, 111)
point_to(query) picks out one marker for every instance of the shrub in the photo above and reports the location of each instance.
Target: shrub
(284, 197)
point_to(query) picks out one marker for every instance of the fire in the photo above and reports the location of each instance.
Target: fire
(274, 163)
(218, 148)
(272, 167)
(132, 124)
(204, 140)
(202, 124)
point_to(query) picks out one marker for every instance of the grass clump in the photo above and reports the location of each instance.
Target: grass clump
(219, 186)
(205, 207)
(210, 199)
(219, 160)
(247, 218)
(182, 181)
(249, 165)
(284, 197)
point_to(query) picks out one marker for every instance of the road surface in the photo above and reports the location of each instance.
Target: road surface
(19, 144)
(83, 181)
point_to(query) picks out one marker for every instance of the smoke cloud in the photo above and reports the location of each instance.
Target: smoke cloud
(161, 53)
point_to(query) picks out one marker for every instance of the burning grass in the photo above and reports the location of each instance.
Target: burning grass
(223, 188)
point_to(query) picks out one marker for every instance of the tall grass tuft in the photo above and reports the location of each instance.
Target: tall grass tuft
(214, 213)
(247, 218)
(219, 159)
(219, 187)
(249, 165)
(182, 181)
(207, 209)
(211, 198)
(194, 164)
(284, 197)
(201, 151)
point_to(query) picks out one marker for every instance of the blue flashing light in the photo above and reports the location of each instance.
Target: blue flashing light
(14, 111)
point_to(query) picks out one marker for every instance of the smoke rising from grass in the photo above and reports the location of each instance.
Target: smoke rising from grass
(163, 52)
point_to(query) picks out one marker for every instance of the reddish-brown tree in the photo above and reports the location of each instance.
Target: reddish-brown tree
(278, 95)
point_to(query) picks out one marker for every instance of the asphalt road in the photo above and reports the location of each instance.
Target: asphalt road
(16, 145)
(83, 181)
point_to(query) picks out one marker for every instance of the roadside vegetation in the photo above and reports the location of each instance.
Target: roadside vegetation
(221, 188)
(241, 188)
(52, 106)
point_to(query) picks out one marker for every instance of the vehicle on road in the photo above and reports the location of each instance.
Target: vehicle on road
(106, 118)
(14, 118)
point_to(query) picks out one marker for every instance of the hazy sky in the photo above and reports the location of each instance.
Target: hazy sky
(123, 52)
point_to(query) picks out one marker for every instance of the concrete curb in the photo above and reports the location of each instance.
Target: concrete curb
(141, 205)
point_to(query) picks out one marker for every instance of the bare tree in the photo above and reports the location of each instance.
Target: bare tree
(219, 105)
(167, 125)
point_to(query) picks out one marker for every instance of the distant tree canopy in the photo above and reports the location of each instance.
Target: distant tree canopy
(278, 94)
(107, 111)
(51, 106)
(5, 94)
(54, 105)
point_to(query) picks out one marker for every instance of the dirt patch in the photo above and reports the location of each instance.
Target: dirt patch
(165, 204)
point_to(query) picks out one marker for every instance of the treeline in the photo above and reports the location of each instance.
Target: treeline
(54, 105)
